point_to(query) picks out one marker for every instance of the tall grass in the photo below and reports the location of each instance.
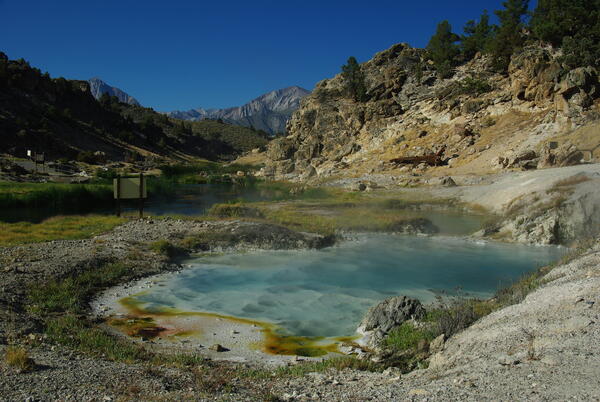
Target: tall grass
(53, 195)
(17, 357)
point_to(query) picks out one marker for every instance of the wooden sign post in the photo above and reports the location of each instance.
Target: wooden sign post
(40, 158)
(128, 188)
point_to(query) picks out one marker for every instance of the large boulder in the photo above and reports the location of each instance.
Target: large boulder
(387, 315)
(281, 149)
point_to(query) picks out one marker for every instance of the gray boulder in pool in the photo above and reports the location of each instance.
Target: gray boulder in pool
(385, 316)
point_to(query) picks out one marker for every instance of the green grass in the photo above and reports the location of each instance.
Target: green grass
(283, 191)
(407, 336)
(61, 304)
(53, 195)
(300, 369)
(77, 333)
(57, 228)
(71, 294)
(327, 217)
(69, 298)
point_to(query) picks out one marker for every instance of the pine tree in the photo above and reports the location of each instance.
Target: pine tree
(104, 99)
(572, 24)
(510, 37)
(443, 50)
(477, 37)
(355, 80)
(554, 19)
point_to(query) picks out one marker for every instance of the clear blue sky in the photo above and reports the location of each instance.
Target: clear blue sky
(182, 54)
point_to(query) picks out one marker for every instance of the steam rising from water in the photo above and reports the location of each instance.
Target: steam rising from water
(326, 292)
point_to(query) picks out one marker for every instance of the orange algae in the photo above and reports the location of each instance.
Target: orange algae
(144, 327)
(274, 342)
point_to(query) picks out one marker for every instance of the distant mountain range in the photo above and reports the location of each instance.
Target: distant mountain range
(269, 112)
(99, 87)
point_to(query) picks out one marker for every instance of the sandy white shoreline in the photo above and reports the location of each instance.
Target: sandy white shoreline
(243, 341)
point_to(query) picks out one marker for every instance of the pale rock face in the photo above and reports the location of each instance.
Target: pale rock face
(409, 111)
(99, 88)
(269, 112)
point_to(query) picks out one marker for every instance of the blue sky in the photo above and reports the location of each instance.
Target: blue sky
(182, 54)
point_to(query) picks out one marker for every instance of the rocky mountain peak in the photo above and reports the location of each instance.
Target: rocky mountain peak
(269, 112)
(99, 88)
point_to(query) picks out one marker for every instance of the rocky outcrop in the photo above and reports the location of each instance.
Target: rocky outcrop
(550, 206)
(387, 315)
(269, 112)
(470, 119)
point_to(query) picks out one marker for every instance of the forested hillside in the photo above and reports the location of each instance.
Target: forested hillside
(62, 119)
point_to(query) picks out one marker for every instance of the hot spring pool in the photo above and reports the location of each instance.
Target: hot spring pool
(327, 292)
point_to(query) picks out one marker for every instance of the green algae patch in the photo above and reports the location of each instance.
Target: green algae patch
(277, 344)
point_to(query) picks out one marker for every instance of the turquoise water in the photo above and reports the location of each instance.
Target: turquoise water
(326, 292)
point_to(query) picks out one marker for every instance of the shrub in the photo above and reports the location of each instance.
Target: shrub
(237, 210)
(106, 174)
(87, 157)
(407, 336)
(474, 86)
(455, 315)
(17, 357)
(164, 247)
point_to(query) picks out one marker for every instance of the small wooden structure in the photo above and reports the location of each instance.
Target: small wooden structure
(127, 188)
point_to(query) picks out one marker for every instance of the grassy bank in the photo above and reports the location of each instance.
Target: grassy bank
(53, 195)
(57, 228)
(325, 211)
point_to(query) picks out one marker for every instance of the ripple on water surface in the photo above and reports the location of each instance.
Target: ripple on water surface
(326, 292)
